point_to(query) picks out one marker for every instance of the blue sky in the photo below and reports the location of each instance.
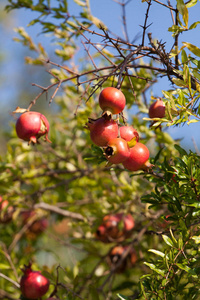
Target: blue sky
(110, 13)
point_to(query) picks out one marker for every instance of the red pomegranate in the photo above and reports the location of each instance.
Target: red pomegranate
(6, 211)
(31, 125)
(138, 158)
(122, 257)
(117, 151)
(112, 100)
(102, 130)
(157, 109)
(33, 284)
(128, 133)
(38, 226)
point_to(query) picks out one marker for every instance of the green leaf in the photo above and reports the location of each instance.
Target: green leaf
(159, 253)
(196, 74)
(187, 269)
(180, 150)
(122, 297)
(154, 268)
(194, 49)
(179, 82)
(183, 11)
(4, 267)
(157, 156)
(172, 235)
(196, 239)
(167, 240)
(184, 57)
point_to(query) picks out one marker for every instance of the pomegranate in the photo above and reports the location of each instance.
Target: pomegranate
(138, 158)
(122, 257)
(117, 151)
(128, 133)
(33, 284)
(31, 126)
(102, 130)
(115, 227)
(112, 100)
(157, 109)
(6, 211)
(38, 226)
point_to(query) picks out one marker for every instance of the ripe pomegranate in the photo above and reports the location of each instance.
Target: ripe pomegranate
(115, 227)
(102, 130)
(31, 126)
(128, 133)
(33, 284)
(117, 151)
(138, 158)
(38, 226)
(122, 257)
(157, 109)
(6, 211)
(112, 100)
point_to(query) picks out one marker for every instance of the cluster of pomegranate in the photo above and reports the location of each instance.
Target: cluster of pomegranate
(120, 142)
(31, 125)
(117, 228)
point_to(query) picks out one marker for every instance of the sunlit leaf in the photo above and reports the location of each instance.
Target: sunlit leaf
(167, 240)
(194, 49)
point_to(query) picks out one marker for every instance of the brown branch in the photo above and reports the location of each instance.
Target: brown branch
(165, 5)
(59, 211)
(124, 20)
(145, 22)
(102, 35)
(16, 284)
(110, 61)
(176, 41)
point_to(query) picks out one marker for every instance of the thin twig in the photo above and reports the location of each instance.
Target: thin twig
(145, 22)
(10, 280)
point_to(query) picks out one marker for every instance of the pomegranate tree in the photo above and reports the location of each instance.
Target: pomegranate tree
(33, 284)
(112, 100)
(31, 125)
(117, 151)
(102, 130)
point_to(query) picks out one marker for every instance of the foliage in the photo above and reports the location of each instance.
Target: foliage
(68, 181)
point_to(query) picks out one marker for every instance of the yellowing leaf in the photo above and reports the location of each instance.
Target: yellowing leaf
(132, 142)
(19, 110)
(183, 11)
(194, 49)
